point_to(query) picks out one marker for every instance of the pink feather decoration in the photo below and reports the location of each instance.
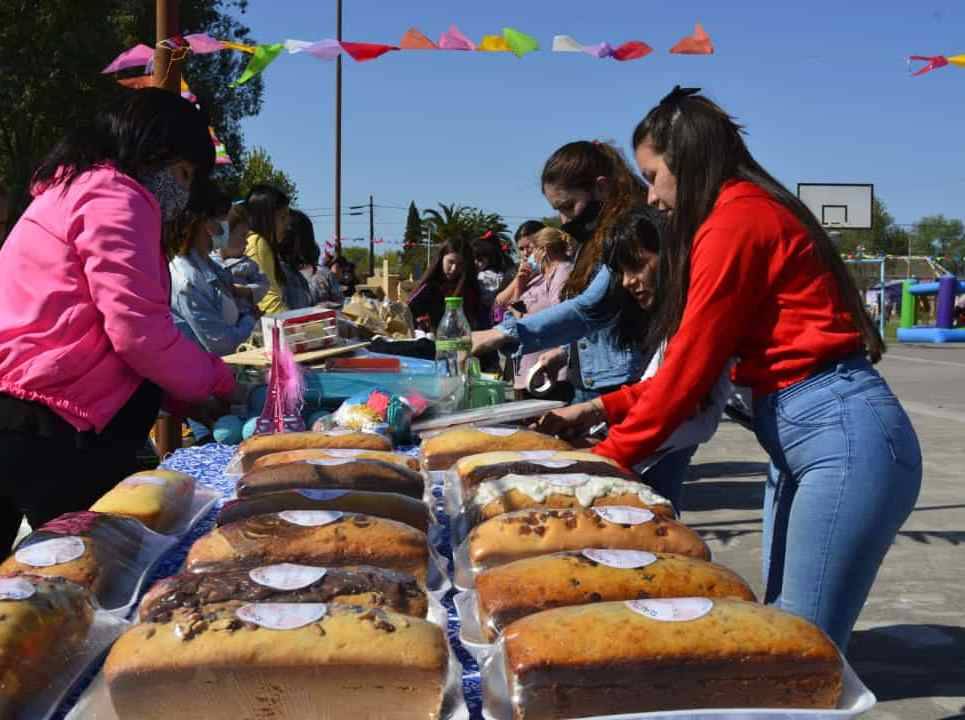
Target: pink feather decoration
(286, 387)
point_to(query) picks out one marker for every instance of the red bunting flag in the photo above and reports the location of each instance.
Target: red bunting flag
(362, 52)
(632, 50)
(697, 44)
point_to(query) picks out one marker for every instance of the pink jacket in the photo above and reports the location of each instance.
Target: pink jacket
(85, 312)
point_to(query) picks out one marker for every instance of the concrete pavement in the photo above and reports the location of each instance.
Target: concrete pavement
(909, 644)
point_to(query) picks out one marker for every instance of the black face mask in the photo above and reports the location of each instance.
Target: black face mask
(582, 227)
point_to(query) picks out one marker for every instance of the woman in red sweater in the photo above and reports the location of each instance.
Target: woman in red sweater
(746, 271)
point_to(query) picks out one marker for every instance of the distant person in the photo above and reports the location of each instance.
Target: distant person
(267, 209)
(344, 271)
(451, 274)
(524, 237)
(88, 349)
(494, 269)
(250, 283)
(302, 253)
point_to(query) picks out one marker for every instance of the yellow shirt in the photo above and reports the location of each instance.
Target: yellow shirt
(257, 249)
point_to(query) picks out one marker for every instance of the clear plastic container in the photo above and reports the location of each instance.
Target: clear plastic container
(453, 352)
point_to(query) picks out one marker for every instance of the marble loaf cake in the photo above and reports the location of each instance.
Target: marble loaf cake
(485, 467)
(312, 537)
(287, 582)
(670, 654)
(281, 458)
(346, 474)
(528, 533)
(302, 661)
(442, 451)
(508, 592)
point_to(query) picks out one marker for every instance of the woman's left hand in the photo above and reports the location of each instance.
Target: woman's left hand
(574, 421)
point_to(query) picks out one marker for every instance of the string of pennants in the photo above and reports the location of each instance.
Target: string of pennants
(934, 62)
(510, 40)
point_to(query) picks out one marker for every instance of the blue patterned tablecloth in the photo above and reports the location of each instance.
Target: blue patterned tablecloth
(207, 464)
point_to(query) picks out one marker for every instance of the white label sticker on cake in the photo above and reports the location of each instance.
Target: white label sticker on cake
(673, 609)
(51, 552)
(16, 588)
(339, 432)
(346, 453)
(623, 514)
(497, 432)
(555, 464)
(621, 559)
(287, 576)
(537, 454)
(282, 616)
(135, 480)
(310, 518)
(332, 462)
(322, 494)
(568, 479)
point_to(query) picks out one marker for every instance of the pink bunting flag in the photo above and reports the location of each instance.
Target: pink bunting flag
(323, 49)
(203, 44)
(137, 56)
(632, 50)
(453, 39)
(600, 50)
(362, 52)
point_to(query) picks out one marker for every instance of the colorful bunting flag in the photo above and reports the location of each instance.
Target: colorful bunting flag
(240, 47)
(697, 44)
(415, 40)
(137, 56)
(263, 56)
(220, 152)
(520, 43)
(632, 50)
(202, 44)
(361, 52)
(493, 43)
(323, 49)
(599, 50)
(934, 62)
(453, 39)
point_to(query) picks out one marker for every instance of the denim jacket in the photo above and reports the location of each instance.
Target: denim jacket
(589, 322)
(199, 291)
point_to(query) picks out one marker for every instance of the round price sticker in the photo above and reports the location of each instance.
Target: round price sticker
(51, 552)
(310, 518)
(287, 576)
(16, 588)
(622, 559)
(322, 494)
(673, 609)
(623, 514)
(537, 454)
(496, 431)
(282, 616)
(569, 480)
(332, 462)
(136, 480)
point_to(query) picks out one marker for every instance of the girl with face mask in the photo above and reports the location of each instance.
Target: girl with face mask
(250, 284)
(267, 208)
(88, 349)
(747, 271)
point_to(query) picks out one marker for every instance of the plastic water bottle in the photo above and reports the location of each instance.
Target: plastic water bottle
(453, 350)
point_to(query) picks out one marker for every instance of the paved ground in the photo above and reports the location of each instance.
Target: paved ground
(909, 644)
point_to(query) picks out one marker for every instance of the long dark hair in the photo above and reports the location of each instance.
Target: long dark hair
(149, 129)
(704, 147)
(637, 230)
(206, 202)
(262, 203)
(576, 166)
(299, 247)
(435, 277)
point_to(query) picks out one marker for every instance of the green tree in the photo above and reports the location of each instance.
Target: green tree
(412, 245)
(449, 222)
(942, 238)
(51, 56)
(257, 168)
(879, 240)
(551, 221)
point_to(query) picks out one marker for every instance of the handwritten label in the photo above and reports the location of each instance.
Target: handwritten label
(497, 432)
(621, 559)
(568, 480)
(282, 616)
(623, 514)
(287, 576)
(322, 494)
(310, 518)
(51, 552)
(16, 588)
(330, 463)
(673, 609)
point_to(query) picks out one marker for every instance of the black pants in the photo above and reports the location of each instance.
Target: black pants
(47, 468)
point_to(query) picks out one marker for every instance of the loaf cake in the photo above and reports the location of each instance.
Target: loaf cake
(528, 492)
(43, 621)
(360, 585)
(509, 592)
(650, 655)
(258, 445)
(476, 469)
(281, 458)
(441, 451)
(528, 533)
(391, 506)
(312, 537)
(282, 661)
(86, 548)
(348, 474)
(158, 498)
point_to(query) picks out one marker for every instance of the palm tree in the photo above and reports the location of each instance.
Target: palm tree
(448, 223)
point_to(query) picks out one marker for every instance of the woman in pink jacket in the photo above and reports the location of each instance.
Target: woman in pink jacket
(88, 349)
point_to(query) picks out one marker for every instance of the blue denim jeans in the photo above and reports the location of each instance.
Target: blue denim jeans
(667, 476)
(845, 474)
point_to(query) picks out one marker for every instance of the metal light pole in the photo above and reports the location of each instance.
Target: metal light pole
(338, 132)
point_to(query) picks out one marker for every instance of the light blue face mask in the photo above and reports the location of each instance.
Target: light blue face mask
(220, 241)
(533, 265)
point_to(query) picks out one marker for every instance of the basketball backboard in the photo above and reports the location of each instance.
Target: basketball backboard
(839, 206)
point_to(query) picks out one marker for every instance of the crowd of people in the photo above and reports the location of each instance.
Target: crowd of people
(131, 273)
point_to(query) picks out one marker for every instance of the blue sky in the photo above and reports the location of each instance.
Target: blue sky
(822, 87)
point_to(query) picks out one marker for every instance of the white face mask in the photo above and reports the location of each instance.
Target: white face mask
(220, 241)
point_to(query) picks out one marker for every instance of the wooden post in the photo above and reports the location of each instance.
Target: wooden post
(167, 75)
(338, 133)
(371, 235)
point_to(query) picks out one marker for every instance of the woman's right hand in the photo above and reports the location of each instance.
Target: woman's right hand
(523, 275)
(485, 341)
